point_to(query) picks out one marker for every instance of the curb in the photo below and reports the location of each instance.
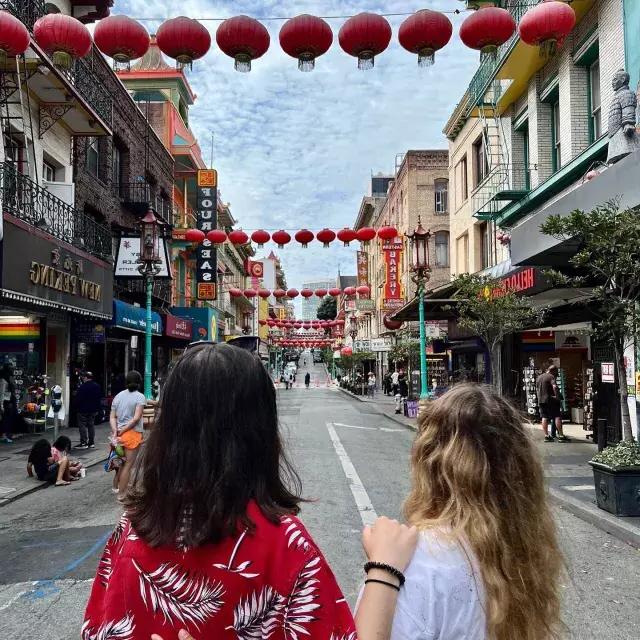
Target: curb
(388, 416)
(42, 485)
(597, 517)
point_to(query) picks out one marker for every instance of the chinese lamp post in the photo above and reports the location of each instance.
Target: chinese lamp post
(421, 273)
(149, 267)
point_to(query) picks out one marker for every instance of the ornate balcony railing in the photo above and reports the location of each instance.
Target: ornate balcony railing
(488, 68)
(27, 11)
(138, 196)
(32, 203)
(90, 86)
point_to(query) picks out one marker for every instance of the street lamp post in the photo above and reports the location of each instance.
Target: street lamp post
(422, 272)
(353, 332)
(149, 267)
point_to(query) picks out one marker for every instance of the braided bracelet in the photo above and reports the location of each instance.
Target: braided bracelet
(389, 584)
(396, 573)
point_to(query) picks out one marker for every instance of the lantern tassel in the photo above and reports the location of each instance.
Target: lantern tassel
(426, 57)
(243, 63)
(306, 62)
(365, 60)
(490, 52)
(549, 48)
(62, 59)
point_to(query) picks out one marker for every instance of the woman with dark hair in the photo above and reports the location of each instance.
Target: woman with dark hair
(45, 466)
(60, 450)
(210, 542)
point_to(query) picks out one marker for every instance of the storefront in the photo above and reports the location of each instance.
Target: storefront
(178, 334)
(206, 323)
(44, 291)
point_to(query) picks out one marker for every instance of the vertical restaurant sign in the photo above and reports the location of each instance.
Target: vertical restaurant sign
(363, 270)
(206, 220)
(392, 297)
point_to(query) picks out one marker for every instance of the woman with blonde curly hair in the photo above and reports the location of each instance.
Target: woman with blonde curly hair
(488, 564)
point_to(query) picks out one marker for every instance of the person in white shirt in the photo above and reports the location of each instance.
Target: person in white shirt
(394, 382)
(488, 565)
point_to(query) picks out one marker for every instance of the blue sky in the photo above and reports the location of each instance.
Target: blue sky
(297, 149)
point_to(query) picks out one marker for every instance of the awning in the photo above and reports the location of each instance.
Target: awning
(128, 316)
(434, 309)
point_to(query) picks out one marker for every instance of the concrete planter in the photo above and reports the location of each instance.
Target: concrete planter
(617, 490)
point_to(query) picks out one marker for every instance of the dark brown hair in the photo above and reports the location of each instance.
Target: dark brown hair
(214, 448)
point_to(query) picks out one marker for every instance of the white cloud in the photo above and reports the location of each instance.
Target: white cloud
(297, 149)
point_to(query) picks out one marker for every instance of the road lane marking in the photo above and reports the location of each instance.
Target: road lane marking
(360, 495)
(353, 426)
(579, 487)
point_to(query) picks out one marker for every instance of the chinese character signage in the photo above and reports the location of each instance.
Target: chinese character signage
(607, 372)
(206, 220)
(392, 297)
(363, 269)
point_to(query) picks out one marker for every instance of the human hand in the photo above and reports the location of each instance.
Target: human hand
(390, 542)
(182, 635)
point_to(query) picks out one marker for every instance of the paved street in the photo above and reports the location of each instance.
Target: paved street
(353, 462)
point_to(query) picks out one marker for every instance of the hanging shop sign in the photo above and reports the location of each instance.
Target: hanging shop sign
(255, 269)
(571, 341)
(128, 258)
(54, 274)
(432, 329)
(392, 297)
(176, 327)
(362, 346)
(128, 316)
(206, 220)
(381, 344)
(607, 372)
(365, 305)
(363, 269)
(204, 322)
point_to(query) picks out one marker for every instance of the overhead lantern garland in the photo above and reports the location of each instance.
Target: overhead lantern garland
(306, 38)
(304, 237)
(346, 236)
(487, 29)
(62, 37)
(121, 38)
(260, 237)
(279, 293)
(217, 236)
(365, 235)
(424, 33)
(292, 293)
(306, 293)
(321, 293)
(334, 293)
(183, 39)
(14, 37)
(281, 238)
(238, 237)
(365, 36)
(244, 39)
(194, 235)
(387, 233)
(326, 236)
(547, 25)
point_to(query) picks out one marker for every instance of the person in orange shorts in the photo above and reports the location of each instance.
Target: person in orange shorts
(126, 425)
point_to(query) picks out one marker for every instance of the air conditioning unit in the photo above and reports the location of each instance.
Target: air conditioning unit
(66, 191)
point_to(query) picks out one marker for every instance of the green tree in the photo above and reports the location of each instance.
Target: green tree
(607, 262)
(327, 309)
(492, 312)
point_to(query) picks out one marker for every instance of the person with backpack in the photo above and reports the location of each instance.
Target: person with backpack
(88, 401)
(307, 379)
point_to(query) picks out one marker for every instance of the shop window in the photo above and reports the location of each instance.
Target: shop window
(442, 196)
(442, 248)
(595, 107)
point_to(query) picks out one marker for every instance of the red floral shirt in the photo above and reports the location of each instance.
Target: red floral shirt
(271, 585)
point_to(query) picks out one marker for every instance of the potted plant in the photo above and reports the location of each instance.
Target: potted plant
(616, 473)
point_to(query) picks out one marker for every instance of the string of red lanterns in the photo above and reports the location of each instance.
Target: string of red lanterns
(363, 291)
(363, 36)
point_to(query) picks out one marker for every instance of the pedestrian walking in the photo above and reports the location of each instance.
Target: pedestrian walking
(394, 382)
(307, 379)
(386, 383)
(549, 403)
(126, 425)
(478, 499)
(371, 384)
(290, 380)
(88, 401)
(210, 540)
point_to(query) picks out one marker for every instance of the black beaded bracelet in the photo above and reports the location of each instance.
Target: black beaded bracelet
(396, 573)
(389, 584)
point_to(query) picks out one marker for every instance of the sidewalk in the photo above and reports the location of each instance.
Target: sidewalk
(14, 481)
(567, 472)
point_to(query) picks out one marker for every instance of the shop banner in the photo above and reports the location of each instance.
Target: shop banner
(207, 220)
(204, 322)
(127, 316)
(381, 344)
(392, 297)
(176, 327)
(361, 346)
(571, 341)
(365, 305)
(363, 270)
(128, 259)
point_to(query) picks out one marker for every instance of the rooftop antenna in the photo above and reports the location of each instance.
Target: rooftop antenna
(211, 164)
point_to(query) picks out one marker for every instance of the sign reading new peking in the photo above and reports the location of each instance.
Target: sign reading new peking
(206, 220)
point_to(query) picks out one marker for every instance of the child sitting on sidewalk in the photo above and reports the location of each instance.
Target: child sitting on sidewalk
(46, 468)
(60, 449)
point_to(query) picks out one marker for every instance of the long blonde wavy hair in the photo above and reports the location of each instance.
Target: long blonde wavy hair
(476, 471)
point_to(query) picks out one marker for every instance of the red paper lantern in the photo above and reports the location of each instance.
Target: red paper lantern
(217, 236)
(346, 351)
(306, 38)
(62, 37)
(326, 236)
(321, 293)
(350, 291)
(486, 29)
(334, 293)
(365, 36)
(547, 25)
(281, 238)
(262, 323)
(121, 38)
(387, 233)
(279, 293)
(271, 322)
(264, 293)
(365, 235)
(304, 237)
(260, 237)
(392, 325)
(244, 39)
(339, 323)
(306, 293)
(238, 237)
(194, 235)
(424, 33)
(363, 290)
(183, 39)
(235, 293)
(346, 236)
(298, 325)
(292, 293)
(14, 37)
(250, 293)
